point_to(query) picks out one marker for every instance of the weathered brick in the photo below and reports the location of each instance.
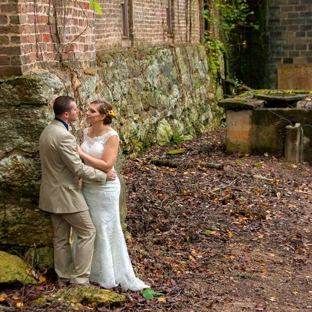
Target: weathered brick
(305, 14)
(288, 47)
(15, 40)
(293, 2)
(16, 60)
(300, 60)
(10, 29)
(300, 34)
(299, 47)
(292, 28)
(288, 60)
(300, 8)
(305, 53)
(293, 15)
(4, 60)
(305, 27)
(4, 40)
(14, 19)
(285, 8)
(4, 19)
(293, 54)
(8, 71)
(9, 8)
(278, 2)
(281, 54)
(10, 50)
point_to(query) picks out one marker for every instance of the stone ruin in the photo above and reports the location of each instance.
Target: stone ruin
(270, 121)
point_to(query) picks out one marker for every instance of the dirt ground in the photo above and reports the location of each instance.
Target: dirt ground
(217, 232)
(231, 239)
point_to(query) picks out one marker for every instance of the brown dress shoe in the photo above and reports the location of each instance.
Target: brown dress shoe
(82, 285)
(63, 284)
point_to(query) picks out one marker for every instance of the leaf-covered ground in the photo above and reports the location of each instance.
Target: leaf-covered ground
(231, 239)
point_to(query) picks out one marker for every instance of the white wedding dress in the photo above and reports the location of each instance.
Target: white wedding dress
(111, 264)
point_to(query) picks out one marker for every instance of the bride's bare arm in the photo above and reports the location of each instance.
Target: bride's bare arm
(109, 156)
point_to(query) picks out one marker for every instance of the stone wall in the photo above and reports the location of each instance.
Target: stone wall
(289, 29)
(276, 122)
(156, 92)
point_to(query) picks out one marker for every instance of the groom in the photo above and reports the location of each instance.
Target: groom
(61, 196)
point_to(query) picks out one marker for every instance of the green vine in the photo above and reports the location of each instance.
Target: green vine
(95, 6)
(216, 49)
(234, 14)
(231, 15)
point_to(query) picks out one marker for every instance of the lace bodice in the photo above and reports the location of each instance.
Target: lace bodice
(95, 146)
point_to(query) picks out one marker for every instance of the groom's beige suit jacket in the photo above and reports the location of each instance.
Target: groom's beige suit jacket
(61, 169)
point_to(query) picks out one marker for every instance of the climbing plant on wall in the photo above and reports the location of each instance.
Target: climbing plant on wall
(95, 6)
(229, 18)
(234, 14)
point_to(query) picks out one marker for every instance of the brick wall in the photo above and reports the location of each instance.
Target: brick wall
(290, 35)
(10, 49)
(149, 22)
(108, 25)
(42, 34)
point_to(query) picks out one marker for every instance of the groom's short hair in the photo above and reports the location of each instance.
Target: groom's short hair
(62, 104)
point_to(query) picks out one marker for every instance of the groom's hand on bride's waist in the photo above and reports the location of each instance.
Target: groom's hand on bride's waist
(111, 175)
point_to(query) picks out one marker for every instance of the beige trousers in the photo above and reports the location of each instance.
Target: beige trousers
(67, 268)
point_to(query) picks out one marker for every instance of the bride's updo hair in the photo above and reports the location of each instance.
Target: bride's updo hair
(107, 109)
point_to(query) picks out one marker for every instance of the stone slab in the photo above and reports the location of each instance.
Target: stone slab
(295, 77)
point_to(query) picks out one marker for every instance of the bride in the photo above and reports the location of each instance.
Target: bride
(111, 264)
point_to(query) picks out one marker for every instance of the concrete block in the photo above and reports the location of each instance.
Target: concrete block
(238, 127)
(293, 146)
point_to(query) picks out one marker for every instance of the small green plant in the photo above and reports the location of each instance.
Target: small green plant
(95, 6)
(215, 54)
(177, 138)
(149, 293)
(234, 14)
(212, 230)
(231, 17)
(258, 165)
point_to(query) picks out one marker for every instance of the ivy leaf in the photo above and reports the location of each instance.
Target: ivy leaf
(149, 293)
(95, 6)
(258, 165)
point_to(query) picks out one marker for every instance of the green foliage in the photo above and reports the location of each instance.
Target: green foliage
(149, 293)
(234, 14)
(215, 55)
(258, 165)
(212, 230)
(177, 138)
(95, 6)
